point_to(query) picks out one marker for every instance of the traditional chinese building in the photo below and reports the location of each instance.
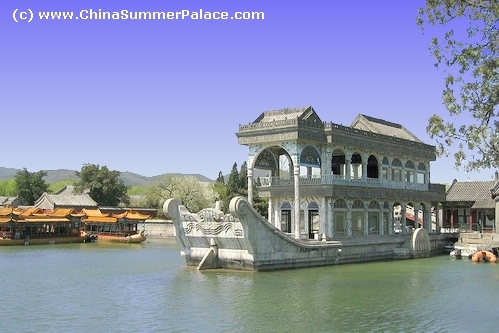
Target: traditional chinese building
(328, 180)
(470, 206)
(65, 198)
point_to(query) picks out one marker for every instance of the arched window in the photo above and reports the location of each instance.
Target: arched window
(385, 167)
(340, 224)
(313, 220)
(396, 170)
(286, 216)
(356, 166)
(358, 218)
(421, 178)
(338, 163)
(372, 167)
(373, 223)
(410, 172)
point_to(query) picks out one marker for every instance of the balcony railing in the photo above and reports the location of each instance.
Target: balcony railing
(344, 181)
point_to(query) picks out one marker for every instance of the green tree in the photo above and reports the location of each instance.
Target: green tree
(220, 189)
(104, 186)
(193, 194)
(469, 53)
(232, 188)
(29, 186)
(8, 188)
(243, 180)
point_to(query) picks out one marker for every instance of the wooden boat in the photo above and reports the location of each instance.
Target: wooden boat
(116, 228)
(32, 226)
(126, 238)
(44, 239)
(484, 256)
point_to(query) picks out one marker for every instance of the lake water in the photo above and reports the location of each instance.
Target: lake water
(147, 287)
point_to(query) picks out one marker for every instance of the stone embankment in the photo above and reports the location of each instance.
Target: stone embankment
(477, 240)
(159, 228)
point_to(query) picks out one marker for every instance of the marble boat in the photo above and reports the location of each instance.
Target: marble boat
(244, 240)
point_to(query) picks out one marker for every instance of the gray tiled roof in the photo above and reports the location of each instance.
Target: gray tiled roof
(7, 200)
(65, 197)
(287, 113)
(384, 127)
(474, 191)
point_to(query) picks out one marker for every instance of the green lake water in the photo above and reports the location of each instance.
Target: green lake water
(99, 287)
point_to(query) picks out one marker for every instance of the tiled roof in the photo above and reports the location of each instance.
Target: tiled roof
(93, 212)
(63, 212)
(45, 219)
(4, 201)
(132, 215)
(105, 219)
(384, 127)
(474, 191)
(31, 210)
(288, 113)
(65, 197)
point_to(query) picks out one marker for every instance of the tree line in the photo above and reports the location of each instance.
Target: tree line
(106, 188)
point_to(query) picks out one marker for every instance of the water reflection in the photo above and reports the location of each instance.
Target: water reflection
(148, 288)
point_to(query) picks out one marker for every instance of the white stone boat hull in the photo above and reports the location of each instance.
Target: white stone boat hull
(243, 240)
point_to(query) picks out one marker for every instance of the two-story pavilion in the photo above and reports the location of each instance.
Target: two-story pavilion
(328, 180)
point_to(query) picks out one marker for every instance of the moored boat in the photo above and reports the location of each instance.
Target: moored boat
(44, 240)
(484, 256)
(125, 238)
(31, 226)
(116, 228)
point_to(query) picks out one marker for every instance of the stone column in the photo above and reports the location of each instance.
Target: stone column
(438, 223)
(250, 185)
(348, 161)
(364, 168)
(416, 216)
(427, 217)
(389, 220)
(271, 208)
(381, 224)
(296, 172)
(323, 220)
(366, 221)
(326, 163)
(402, 219)
(349, 219)
(332, 225)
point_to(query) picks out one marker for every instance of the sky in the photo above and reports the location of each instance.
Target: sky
(167, 96)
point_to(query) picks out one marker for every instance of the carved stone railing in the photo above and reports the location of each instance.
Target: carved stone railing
(269, 124)
(293, 122)
(344, 181)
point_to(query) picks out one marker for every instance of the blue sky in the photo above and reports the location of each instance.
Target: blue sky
(155, 97)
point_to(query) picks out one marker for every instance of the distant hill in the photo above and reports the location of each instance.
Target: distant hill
(7, 173)
(130, 178)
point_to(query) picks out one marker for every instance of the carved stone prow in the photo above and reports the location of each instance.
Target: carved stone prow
(171, 209)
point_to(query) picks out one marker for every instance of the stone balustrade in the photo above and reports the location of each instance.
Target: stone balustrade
(342, 180)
